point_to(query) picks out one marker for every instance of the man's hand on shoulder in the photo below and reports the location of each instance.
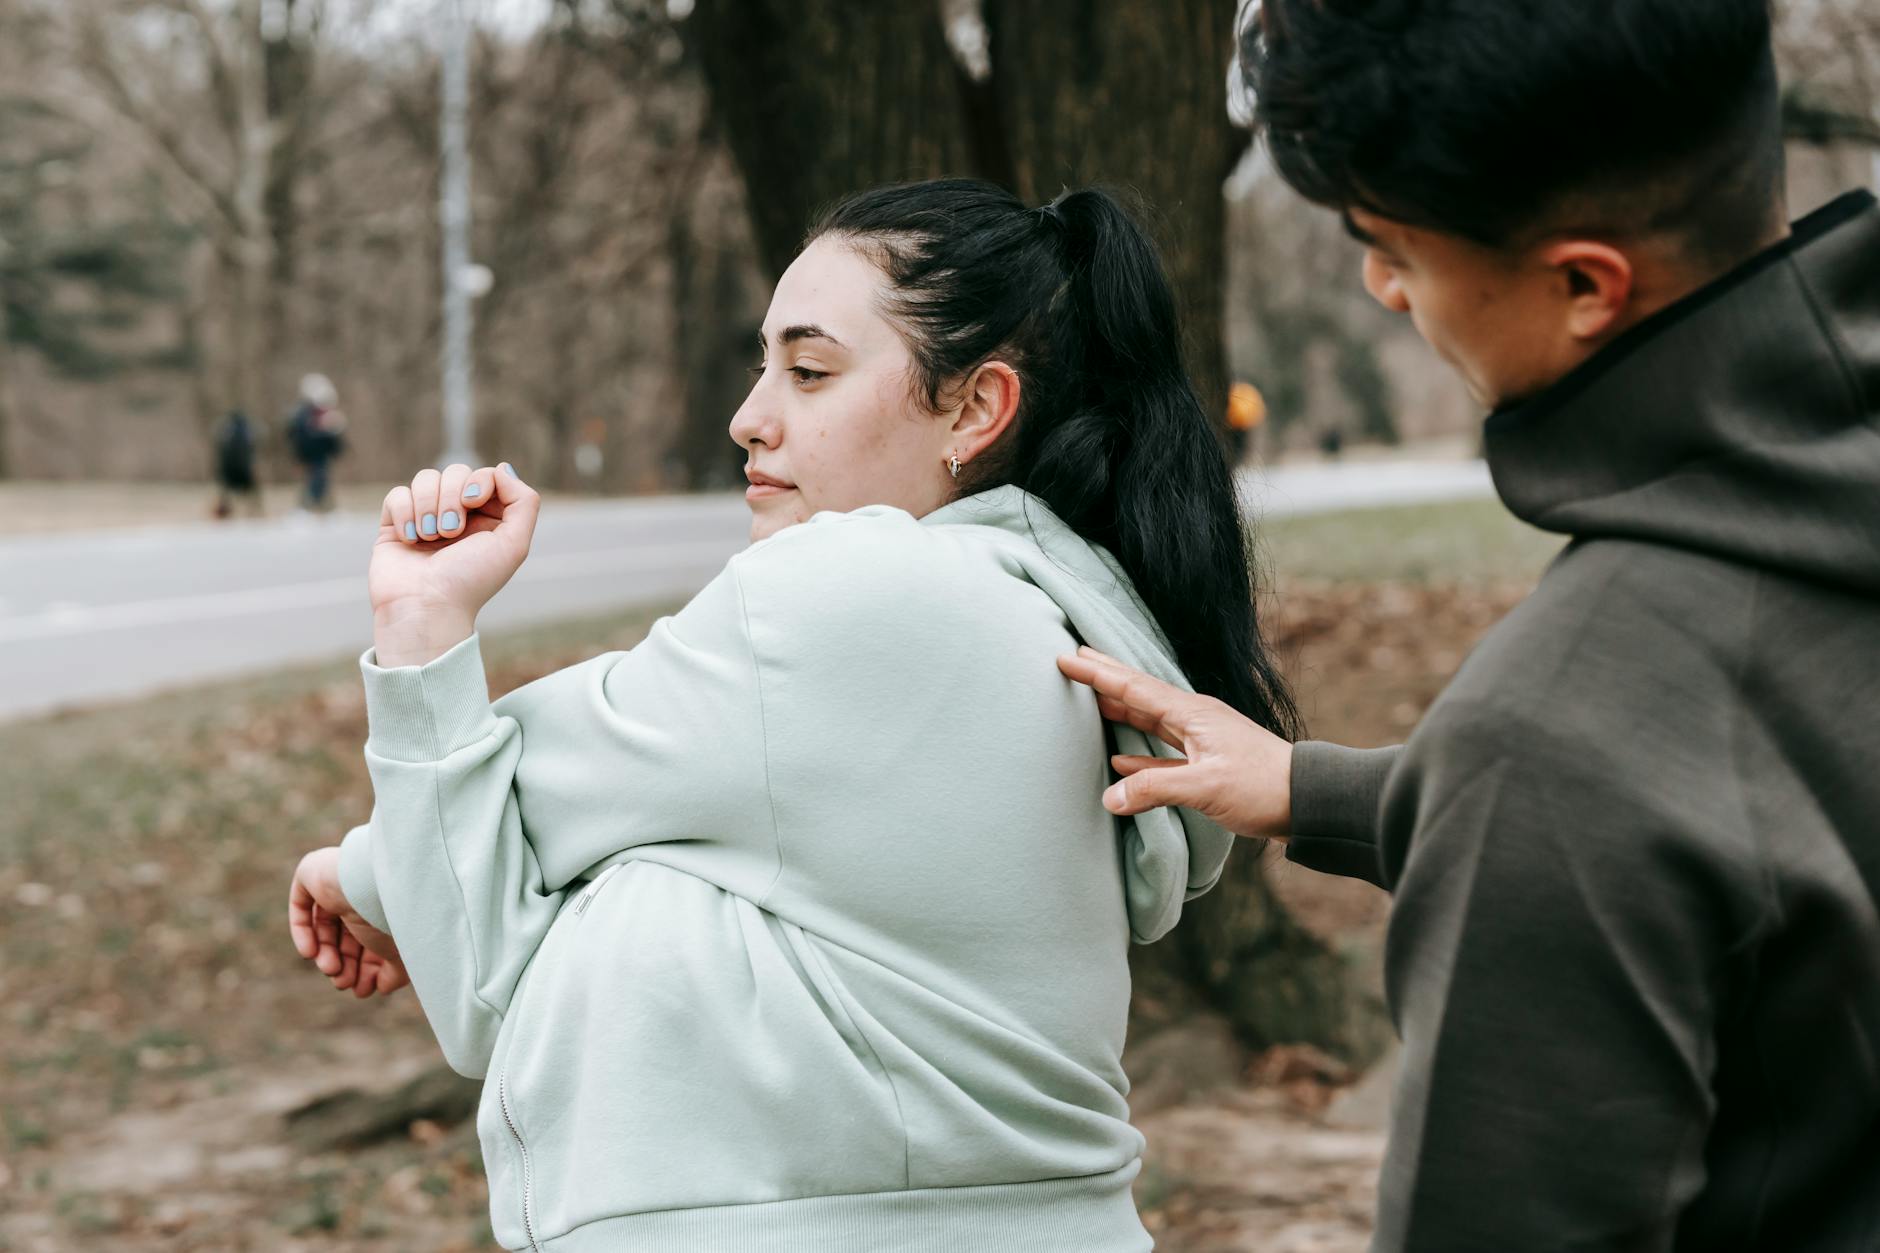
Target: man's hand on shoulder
(1232, 770)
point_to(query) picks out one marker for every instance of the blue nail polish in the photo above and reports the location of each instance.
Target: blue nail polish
(510, 470)
(472, 490)
(411, 530)
(429, 525)
(450, 521)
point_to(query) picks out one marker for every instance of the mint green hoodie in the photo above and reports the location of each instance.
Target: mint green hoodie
(801, 925)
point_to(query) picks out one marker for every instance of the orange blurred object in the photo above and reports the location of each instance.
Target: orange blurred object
(1246, 407)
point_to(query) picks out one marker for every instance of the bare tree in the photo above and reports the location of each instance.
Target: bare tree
(74, 283)
(1136, 95)
(221, 100)
(1830, 54)
(821, 97)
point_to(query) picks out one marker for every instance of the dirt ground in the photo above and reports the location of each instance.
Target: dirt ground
(155, 1027)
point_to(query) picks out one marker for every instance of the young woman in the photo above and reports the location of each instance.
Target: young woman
(801, 925)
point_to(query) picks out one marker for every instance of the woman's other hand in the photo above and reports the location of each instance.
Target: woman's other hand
(331, 934)
(1232, 770)
(447, 543)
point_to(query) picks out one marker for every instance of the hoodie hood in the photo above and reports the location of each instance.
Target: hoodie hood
(1743, 421)
(1170, 856)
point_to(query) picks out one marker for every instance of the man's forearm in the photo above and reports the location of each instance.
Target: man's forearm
(1335, 797)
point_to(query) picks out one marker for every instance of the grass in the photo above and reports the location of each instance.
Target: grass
(1463, 541)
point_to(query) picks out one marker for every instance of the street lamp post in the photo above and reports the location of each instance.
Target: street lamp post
(454, 217)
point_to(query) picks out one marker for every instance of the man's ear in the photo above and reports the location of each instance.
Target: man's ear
(1596, 283)
(988, 403)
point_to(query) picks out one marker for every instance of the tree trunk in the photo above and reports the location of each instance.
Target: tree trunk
(820, 98)
(286, 62)
(351, 1118)
(1133, 95)
(6, 402)
(252, 243)
(7, 394)
(715, 321)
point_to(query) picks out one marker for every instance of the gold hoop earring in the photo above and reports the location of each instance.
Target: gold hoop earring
(953, 465)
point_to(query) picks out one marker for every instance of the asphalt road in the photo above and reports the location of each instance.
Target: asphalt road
(95, 616)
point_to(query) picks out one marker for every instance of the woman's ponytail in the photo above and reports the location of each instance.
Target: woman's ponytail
(1110, 433)
(1154, 487)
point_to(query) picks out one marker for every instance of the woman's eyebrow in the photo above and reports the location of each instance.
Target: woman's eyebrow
(806, 330)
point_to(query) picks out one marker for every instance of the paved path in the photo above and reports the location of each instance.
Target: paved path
(103, 615)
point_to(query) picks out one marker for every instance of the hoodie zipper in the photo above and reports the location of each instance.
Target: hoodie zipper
(528, 1175)
(587, 897)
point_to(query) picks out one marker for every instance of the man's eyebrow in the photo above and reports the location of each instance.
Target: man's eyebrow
(1357, 232)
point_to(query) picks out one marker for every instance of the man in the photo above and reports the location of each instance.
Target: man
(1634, 953)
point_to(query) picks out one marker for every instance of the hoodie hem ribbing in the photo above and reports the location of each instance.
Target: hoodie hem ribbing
(1088, 1214)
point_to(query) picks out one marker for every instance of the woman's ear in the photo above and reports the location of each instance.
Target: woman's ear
(1596, 283)
(988, 403)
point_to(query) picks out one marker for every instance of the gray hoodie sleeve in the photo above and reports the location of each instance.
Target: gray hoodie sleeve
(1557, 946)
(1335, 796)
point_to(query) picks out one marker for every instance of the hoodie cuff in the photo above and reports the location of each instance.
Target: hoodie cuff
(1336, 793)
(426, 713)
(356, 878)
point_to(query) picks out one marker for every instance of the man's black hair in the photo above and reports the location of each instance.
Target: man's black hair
(1504, 120)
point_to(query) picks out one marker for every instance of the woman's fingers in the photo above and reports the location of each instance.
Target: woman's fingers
(370, 964)
(326, 930)
(368, 981)
(450, 508)
(336, 946)
(442, 504)
(520, 507)
(300, 909)
(479, 492)
(398, 515)
(392, 976)
(424, 488)
(349, 961)
(378, 976)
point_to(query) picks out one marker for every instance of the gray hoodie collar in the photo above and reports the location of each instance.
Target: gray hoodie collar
(1743, 421)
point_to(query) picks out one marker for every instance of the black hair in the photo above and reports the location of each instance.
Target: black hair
(1502, 120)
(1109, 431)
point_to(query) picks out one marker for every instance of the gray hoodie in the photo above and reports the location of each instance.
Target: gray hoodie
(1634, 953)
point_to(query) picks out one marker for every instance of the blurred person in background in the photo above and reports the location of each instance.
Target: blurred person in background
(1634, 951)
(316, 432)
(801, 926)
(235, 466)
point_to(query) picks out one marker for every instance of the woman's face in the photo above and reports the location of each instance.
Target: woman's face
(833, 422)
